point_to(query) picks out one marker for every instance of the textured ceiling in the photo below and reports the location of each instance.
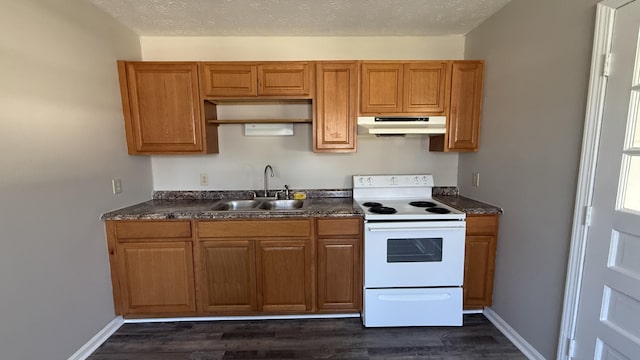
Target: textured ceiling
(300, 17)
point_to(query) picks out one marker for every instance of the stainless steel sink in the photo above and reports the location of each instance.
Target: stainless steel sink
(230, 205)
(282, 205)
(260, 205)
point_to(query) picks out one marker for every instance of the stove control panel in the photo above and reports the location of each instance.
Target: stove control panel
(385, 181)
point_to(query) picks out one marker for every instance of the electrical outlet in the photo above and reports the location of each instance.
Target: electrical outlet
(116, 186)
(475, 179)
(204, 179)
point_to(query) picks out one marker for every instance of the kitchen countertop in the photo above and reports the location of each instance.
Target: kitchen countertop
(321, 203)
(468, 205)
(201, 209)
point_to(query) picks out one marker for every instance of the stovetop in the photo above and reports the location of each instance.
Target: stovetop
(400, 197)
(405, 211)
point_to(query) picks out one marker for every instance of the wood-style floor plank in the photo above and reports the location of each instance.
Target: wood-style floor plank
(305, 339)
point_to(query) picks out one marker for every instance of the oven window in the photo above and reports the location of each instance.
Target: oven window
(414, 250)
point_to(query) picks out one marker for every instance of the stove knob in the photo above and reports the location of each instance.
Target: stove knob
(394, 180)
(370, 181)
(424, 179)
(416, 179)
(361, 181)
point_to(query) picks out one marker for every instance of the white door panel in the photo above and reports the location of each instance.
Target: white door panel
(608, 322)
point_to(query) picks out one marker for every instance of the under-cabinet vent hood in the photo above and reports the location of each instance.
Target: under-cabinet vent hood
(401, 125)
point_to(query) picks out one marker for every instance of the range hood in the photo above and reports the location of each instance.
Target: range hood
(401, 125)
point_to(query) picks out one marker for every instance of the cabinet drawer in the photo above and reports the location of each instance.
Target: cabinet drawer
(288, 78)
(254, 228)
(482, 225)
(337, 227)
(228, 79)
(153, 229)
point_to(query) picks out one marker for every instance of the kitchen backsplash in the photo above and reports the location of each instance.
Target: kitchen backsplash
(247, 194)
(240, 164)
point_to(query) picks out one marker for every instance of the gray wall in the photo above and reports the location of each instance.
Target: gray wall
(537, 69)
(62, 143)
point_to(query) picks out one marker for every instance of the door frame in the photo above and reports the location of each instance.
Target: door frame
(602, 39)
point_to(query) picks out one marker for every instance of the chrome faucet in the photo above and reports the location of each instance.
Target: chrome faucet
(266, 187)
(284, 193)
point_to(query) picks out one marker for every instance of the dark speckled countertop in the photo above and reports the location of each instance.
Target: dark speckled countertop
(469, 206)
(198, 208)
(321, 203)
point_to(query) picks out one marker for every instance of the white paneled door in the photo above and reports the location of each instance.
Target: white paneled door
(608, 321)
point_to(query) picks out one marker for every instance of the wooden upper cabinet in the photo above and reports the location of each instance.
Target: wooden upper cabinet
(290, 79)
(382, 88)
(416, 87)
(426, 87)
(229, 80)
(335, 107)
(162, 109)
(466, 105)
(285, 79)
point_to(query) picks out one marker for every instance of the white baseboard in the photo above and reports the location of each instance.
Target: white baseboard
(87, 349)
(529, 351)
(478, 311)
(95, 342)
(221, 318)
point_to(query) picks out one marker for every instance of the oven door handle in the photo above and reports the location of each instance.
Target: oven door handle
(414, 297)
(415, 228)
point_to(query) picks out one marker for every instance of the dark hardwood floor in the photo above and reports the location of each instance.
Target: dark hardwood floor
(305, 339)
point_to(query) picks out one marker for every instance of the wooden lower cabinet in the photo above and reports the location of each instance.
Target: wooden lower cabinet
(480, 257)
(228, 281)
(163, 268)
(285, 275)
(339, 265)
(152, 274)
(255, 266)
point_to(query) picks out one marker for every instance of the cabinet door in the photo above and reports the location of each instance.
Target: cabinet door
(221, 80)
(285, 282)
(466, 105)
(479, 260)
(336, 107)
(426, 87)
(161, 103)
(339, 275)
(228, 276)
(382, 88)
(285, 79)
(479, 270)
(156, 277)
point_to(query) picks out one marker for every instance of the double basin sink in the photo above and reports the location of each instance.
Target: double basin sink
(260, 205)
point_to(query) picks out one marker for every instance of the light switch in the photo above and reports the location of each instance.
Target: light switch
(475, 179)
(116, 186)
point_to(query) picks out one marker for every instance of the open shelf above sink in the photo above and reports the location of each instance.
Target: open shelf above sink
(267, 111)
(259, 121)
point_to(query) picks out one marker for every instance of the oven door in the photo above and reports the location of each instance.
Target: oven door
(413, 254)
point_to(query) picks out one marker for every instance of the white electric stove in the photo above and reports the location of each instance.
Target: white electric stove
(413, 252)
